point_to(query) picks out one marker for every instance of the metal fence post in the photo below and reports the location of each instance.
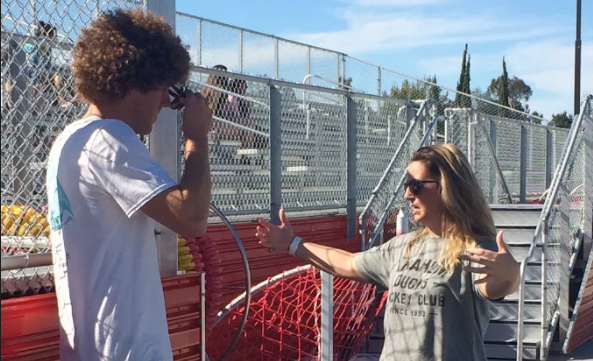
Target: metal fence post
(470, 143)
(549, 157)
(523, 166)
(327, 317)
(21, 98)
(200, 26)
(276, 59)
(493, 173)
(241, 51)
(275, 153)
(447, 130)
(351, 189)
(164, 145)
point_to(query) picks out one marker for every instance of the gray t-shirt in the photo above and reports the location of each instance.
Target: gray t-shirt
(430, 314)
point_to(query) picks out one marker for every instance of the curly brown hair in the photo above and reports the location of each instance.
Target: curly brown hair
(125, 50)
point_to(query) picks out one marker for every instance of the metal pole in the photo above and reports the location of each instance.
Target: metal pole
(577, 62)
(351, 188)
(21, 97)
(327, 317)
(241, 51)
(493, 178)
(470, 143)
(523, 167)
(549, 157)
(200, 28)
(275, 154)
(164, 145)
(276, 60)
(203, 315)
(30, 260)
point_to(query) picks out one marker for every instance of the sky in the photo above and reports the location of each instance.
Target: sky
(415, 37)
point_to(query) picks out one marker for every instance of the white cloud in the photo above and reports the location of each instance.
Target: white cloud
(549, 65)
(383, 31)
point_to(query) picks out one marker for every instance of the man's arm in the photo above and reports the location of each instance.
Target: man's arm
(184, 208)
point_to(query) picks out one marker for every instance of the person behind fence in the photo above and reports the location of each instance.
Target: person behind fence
(41, 70)
(106, 192)
(238, 111)
(214, 97)
(440, 279)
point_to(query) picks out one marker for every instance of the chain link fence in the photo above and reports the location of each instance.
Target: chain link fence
(566, 222)
(38, 100)
(249, 52)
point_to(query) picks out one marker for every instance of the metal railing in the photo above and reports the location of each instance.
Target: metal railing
(543, 236)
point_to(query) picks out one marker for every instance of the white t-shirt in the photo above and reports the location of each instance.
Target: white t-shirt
(110, 296)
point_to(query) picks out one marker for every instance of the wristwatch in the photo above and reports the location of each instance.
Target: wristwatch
(294, 245)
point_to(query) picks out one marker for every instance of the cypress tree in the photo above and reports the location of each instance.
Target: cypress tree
(503, 86)
(458, 98)
(466, 84)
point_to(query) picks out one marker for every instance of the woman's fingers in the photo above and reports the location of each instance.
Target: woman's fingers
(481, 270)
(476, 259)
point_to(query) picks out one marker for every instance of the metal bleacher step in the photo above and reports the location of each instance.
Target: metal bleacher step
(501, 340)
(508, 351)
(516, 216)
(509, 309)
(506, 331)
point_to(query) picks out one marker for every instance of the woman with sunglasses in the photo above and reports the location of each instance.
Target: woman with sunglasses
(440, 279)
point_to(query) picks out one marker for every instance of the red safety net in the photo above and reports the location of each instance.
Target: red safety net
(284, 320)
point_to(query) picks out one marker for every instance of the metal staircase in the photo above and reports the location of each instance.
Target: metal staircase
(518, 223)
(547, 239)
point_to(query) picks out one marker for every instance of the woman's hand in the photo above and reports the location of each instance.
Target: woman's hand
(272, 236)
(500, 272)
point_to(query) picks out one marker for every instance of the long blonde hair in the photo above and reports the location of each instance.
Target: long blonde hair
(466, 215)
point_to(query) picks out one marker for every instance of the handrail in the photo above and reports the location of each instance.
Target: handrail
(244, 97)
(400, 149)
(496, 163)
(309, 76)
(543, 221)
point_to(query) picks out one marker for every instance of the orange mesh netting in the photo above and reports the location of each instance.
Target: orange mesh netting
(285, 319)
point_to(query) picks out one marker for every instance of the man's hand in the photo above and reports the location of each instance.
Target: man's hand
(197, 116)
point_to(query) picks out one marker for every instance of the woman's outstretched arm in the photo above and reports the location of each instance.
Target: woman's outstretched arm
(338, 262)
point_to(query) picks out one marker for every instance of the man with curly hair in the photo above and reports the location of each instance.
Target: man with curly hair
(106, 191)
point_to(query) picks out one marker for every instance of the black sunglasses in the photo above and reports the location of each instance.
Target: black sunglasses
(416, 185)
(176, 93)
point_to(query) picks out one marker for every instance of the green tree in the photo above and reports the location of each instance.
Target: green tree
(463, 83)
(519, 92)
(503, 86)
(538, 115)
(346, 84)
(562, 120)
